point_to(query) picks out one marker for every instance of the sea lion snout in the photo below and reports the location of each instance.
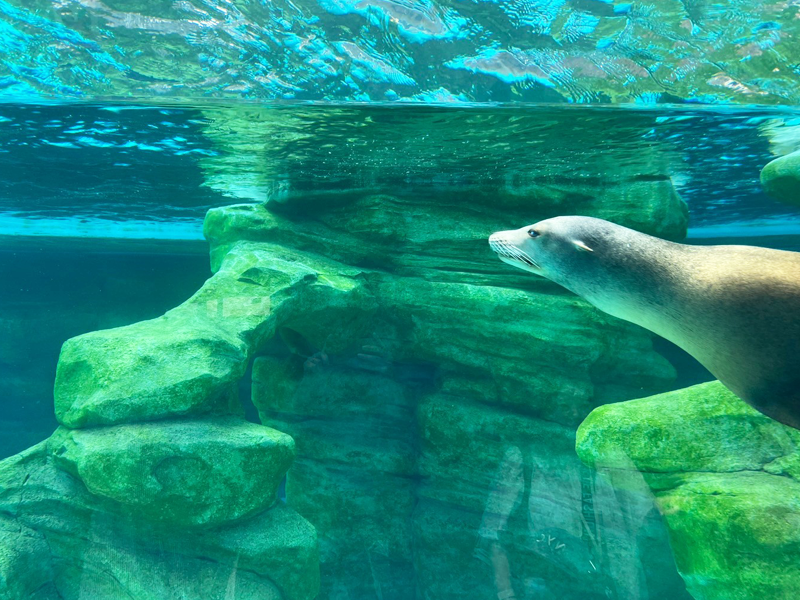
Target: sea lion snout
(497, 242)
(507, 246)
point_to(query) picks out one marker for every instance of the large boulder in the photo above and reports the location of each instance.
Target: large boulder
(70, 544)
(188, 361)
(181, 472)
(725, 477)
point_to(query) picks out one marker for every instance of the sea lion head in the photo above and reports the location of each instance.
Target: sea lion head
(588, 256)
(561, 249)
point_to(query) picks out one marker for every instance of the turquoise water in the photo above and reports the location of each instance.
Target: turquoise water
(434, 446)
(581, 51)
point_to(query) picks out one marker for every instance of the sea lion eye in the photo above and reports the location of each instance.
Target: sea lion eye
(533, 233)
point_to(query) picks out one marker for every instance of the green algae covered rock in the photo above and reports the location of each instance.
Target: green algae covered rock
(131, 373)
(404, 413)
(430, 237)
(152, 460)
(544, 346)
(188, 361)
(71, 544)
(355, 475)
(735, 536)
(411, 366)
(701, 428)
(726, 479)
(781, 178)
(181, 472)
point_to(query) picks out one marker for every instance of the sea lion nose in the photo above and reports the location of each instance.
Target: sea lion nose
(499, 237)
(495, 241)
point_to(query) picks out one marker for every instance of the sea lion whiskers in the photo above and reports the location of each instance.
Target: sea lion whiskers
(503, 248)
(522, 255)
(516, 254)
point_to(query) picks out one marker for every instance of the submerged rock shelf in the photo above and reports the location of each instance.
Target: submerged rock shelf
(725, 477)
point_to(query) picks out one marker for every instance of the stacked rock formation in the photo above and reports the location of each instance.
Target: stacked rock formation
(725, 477)
(440, 415)
(154, 486)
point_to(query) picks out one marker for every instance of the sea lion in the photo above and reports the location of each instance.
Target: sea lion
(736, 309)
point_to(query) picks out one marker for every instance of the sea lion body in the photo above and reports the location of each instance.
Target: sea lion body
(736, 309)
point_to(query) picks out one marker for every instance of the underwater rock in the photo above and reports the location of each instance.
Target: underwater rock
(398, 489)
(725, 477)
(117, 506)
(356, 478)
(181, 472)
(131, 373)
(188, 361)
(551, 356)
(363, 522)
(493, 479)
(781, 178)
(70, 544)
(397, 477)
(458, 437)
(407, 363)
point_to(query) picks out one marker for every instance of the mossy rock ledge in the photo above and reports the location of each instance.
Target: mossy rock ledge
(179, 472)
(726, 479)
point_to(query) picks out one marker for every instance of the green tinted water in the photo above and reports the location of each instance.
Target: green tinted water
(433, 393)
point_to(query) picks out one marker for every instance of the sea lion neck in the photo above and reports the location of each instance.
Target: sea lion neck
(636, 277)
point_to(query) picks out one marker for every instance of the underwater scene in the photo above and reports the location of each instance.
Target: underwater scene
(399, 300)
(259, 351)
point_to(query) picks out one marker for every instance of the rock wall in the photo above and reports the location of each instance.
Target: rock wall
(154, 486)
(435, 423)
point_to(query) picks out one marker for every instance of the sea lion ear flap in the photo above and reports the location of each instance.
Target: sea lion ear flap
(581, 246)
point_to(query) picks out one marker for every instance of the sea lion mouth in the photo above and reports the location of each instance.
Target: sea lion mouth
(511, 254)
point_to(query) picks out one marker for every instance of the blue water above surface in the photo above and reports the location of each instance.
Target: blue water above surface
(118, 170)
